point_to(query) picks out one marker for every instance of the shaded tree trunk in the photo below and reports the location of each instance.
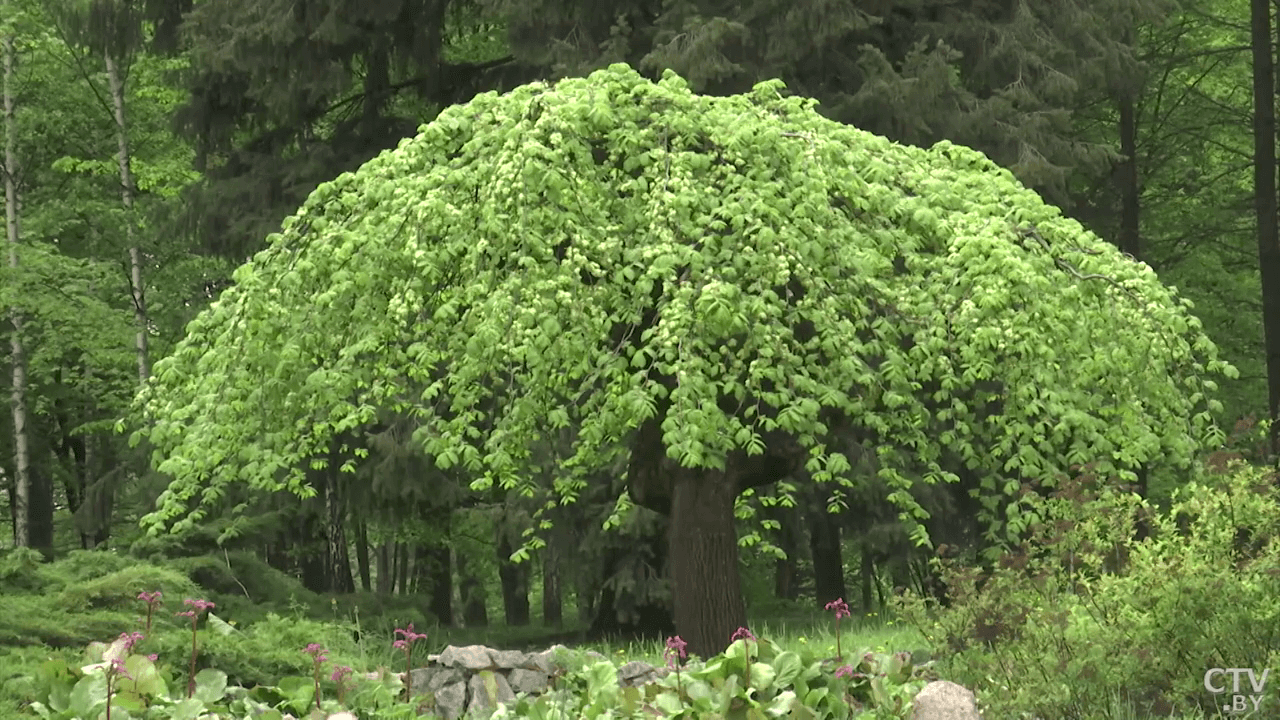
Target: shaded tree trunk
(824, 545)
(362, 555)
(40, 509)
(1130, 239)
(402, 567)
(625, 609)
(386, 569)
(1264, 182)
(433, 568)
(474, 612)
(706, 589)
(313, 564)
(552, 608)
(785, 569)
(514, 579)
(584, 594)
(866, 577)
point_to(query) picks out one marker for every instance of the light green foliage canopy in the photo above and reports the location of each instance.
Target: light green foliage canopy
(560, 258)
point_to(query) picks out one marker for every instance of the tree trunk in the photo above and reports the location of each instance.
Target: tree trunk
(474, 612)
(1264, 182)
(867, 574)
(584, 594)
(18, 391)
(628, 608)
(116, 84)
(785, 569)
(552, 608)
(99, 495)
(337, 552)
(703, 552)
(362, 555)
(40, 509)
(824, 544)
(386, 569)
(312, 562)
(441, 583)
(514, 579)
(402, 567)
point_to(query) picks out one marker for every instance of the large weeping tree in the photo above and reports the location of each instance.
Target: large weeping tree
(727, 291)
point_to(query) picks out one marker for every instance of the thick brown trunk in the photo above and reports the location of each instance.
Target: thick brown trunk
(515, 583)
(1264, 183)
(703, 554)
(552, 608)
(362, 555)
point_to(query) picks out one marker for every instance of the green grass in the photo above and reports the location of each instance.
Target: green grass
(50, 612)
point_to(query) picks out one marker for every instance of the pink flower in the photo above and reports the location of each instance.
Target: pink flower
(197, 607)
(675, 649)
(840, 607)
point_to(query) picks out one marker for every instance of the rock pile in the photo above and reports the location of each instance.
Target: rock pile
(457, 676)
(466, 679)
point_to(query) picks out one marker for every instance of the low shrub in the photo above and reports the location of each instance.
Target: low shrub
(1082, 613)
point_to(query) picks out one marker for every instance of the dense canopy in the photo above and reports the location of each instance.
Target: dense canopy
(575, 259)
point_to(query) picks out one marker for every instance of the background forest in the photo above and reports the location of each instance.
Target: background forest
(152, 146)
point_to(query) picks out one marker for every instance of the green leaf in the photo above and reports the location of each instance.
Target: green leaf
(89, 694)
(211, 685)
(787, 666)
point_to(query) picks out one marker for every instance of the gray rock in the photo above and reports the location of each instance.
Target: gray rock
(456, 680)
(944, 700)
(455, 677)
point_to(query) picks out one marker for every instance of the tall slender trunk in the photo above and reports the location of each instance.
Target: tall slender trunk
(386, 572)
(362, 555)
(116, 85)
(706, 588)
(402, 567)
(1264, 183)
(1130, 239)
(100, 494)
(866, 576)
(18, 396)
(584, 594)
